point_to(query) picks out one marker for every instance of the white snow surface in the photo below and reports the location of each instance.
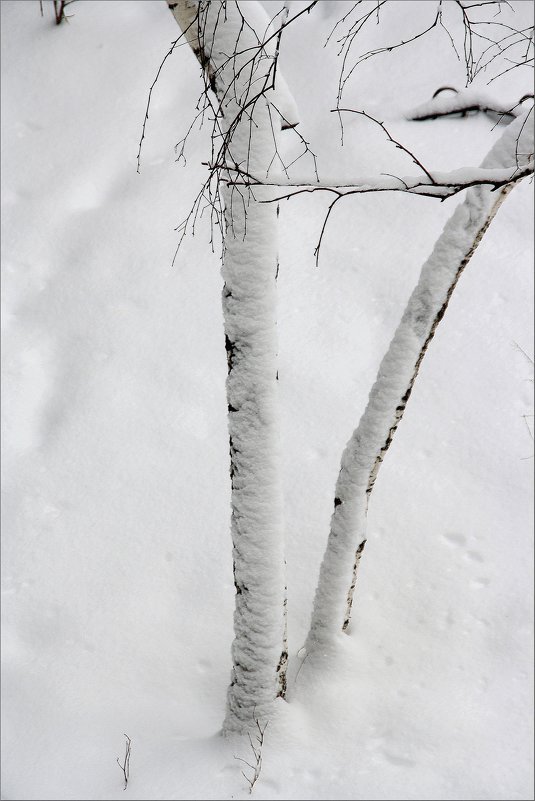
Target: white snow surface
(118, 592)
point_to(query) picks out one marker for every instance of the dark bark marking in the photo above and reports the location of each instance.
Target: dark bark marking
(233, 452)
(351, 592)
(281, 670)
(231, 352)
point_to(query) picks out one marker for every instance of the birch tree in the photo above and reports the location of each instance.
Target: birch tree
(237, 46)
(397, 373)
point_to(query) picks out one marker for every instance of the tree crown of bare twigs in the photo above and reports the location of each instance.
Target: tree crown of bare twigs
(488, 43)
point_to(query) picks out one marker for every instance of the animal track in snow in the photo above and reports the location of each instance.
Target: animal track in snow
(395, 759)
(480, 582)
(475, 556)
(454, 538)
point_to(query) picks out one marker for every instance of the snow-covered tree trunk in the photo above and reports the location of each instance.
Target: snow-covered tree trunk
(227, 40)
(365, 451)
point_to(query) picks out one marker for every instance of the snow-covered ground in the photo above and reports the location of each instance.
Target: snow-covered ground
(117, 573)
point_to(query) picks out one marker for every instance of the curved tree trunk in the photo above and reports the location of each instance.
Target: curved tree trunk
(390, 393)
(239, 69)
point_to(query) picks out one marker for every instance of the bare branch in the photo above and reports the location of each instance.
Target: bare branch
(391, 139)
(483, 40)
(323, 227)
(145, 119)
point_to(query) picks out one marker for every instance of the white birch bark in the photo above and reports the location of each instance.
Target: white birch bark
(365, 450)
(225, 37)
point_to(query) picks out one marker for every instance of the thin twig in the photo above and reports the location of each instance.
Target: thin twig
(391, 139)
(125, 767)
(257, 753)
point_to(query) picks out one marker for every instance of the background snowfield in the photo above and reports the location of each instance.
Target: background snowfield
(117, 571)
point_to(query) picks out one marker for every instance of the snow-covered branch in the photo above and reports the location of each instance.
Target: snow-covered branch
(431, 183)
(440, 185)
(464, 103)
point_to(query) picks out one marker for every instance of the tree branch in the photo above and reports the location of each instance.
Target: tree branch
(439, 185)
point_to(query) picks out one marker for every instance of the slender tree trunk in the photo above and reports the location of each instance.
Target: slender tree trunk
(390, 393)
(239, 70)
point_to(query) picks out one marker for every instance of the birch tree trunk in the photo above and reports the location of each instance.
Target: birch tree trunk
(390, 393)
(239, 70)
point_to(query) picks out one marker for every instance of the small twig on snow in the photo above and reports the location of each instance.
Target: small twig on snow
(257, 754)
(125, 767)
